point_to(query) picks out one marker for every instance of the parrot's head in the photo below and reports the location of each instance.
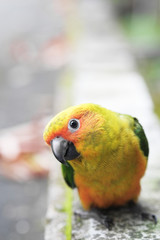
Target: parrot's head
(76, 133)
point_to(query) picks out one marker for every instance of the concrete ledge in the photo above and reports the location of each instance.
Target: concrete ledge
(103, 71)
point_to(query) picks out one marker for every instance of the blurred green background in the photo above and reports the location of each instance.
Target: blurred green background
(140, 22)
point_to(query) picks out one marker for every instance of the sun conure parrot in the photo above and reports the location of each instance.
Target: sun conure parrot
(103, 153)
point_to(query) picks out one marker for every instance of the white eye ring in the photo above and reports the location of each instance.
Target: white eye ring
(73, 125)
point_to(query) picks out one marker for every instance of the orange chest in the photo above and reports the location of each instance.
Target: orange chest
(109, 188)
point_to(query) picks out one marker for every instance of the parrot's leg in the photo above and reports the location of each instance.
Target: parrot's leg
(136, 208)
(82, 214)
(96, 214)
(101, 216)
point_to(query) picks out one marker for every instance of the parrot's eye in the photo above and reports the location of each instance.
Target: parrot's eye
(73, 125)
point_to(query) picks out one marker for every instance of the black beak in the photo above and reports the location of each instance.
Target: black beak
(63, 150)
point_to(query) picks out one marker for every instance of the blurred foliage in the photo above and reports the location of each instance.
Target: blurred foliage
(142, 30)
(150, 69)
(143, 33)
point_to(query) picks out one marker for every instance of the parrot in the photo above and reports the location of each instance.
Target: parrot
(103, 154)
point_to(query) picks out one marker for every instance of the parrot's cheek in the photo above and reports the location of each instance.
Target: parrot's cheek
(63, 150)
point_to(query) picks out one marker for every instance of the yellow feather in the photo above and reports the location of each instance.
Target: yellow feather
(111, 163)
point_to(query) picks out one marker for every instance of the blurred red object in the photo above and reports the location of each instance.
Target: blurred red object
(23, 51)
(56, 52)
(23, 153)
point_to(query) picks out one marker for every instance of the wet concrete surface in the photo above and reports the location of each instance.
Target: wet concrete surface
(27, 76)
(23, 209)
(23, 204)
(27, 88)
(23, 102)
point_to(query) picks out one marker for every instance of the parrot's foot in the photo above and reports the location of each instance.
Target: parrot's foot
(150, 217)
(105, 220)
(96, 214)
(136, 208)
(102, 217)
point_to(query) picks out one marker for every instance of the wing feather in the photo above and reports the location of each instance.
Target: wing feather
(139, 132)
(68, 175)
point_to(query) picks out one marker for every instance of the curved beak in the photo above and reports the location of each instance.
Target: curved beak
(63, 150)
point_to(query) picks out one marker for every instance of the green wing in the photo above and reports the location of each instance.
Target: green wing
(139, 132)
(68, 174)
